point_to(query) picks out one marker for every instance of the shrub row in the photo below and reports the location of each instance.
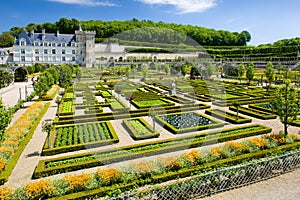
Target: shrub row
(136, 134)
(228, 116)
(51, 93)
(42, 171)
(254, 113)
(65, 149)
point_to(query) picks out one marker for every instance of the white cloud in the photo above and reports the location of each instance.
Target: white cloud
(85, 2)
(184, 6)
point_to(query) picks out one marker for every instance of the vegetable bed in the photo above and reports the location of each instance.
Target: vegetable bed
(187, 122)
(139, 129)
(77, 137)
(228, 116)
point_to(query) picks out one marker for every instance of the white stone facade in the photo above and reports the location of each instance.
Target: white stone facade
(55, 48)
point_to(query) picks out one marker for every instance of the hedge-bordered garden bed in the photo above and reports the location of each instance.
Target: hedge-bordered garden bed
(255, 113)
(29, 133)
(228, 116)
(78, 137)
(187, 122)
(139, 129)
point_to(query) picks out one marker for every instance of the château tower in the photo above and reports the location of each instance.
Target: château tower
(85, 47)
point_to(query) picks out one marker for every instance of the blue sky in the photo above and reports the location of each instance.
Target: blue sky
(266, 20)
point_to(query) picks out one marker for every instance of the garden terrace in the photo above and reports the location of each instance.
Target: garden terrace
(228, 116)
(139, 129)
(77, 137)
(187, 122)
(255, 113)
(87, 160)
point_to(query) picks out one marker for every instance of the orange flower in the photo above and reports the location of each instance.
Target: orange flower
(2, 164)
(237, 146)
(109, 176)
(7, 149)
(77, 181)
(192, 155)
(38, 189)
(261, 143)
(5, 192)
(10, 142)
(280, 139)
(216, 152)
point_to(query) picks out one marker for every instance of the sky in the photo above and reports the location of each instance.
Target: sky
(266, 20)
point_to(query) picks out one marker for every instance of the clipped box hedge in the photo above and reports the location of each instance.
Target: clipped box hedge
(70, 148)
(135, 134)
(42, 171)
(228, 116)
(254, 113)
(175, 175)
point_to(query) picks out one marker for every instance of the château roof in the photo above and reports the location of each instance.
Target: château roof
(31, 37)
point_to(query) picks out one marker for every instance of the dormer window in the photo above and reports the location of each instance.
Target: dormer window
(45, 44)
(53, 44)
(36, 44)
(73, 44)
(63, 44)
(22, 43)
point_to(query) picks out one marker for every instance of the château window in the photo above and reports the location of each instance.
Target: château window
(73, 44)
(23, 58)
(22, 51)
(73, 59)
(53, 51)
(63, 44)
(45, 44)
(73, 51)
(37, 58)
(63, 51)
(45, 51)
(36, 44)
(22, 43)
(53, 44)
(63, 58)
(36, 51)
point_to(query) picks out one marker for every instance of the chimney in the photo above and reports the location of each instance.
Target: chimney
(57, 33)
(32, 32)
(43, 33)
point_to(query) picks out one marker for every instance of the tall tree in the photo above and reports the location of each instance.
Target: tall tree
(286, 104)
(250, 71)
(241, 71)
(270, 73)
(6, 40)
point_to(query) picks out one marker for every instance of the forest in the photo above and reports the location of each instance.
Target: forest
(154, 32)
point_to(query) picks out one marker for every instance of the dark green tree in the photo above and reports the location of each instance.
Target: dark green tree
(286, 104)
(241, 71)
(250, 71)
(6, 40)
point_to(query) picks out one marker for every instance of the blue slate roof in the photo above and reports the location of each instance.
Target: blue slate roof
(48, 37)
